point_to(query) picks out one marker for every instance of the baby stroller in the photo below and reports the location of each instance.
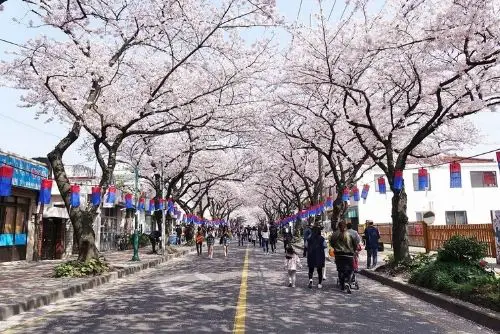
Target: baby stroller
(345, 267)
(355, 266)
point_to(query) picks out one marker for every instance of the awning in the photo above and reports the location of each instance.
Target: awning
(55, 212)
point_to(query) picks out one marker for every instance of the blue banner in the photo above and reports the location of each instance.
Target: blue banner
(26, 174)
(9, 239)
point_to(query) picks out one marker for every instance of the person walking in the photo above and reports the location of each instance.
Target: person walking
(372, 236)
(226, 239)
(254, 235)
(344, 246)
(316, 255)
(240, 233)
(292, 261)
(178, 231)
(307, 235)
(210, 241)
(199, 241)
(273, 237)
(259, 234)
(265, 239)
(287, 238)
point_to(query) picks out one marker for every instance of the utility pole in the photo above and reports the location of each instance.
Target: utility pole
(135, 257)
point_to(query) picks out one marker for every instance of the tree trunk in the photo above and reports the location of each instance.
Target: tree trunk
(82, 224)
(338, 212)
(399, 226)
(82, 220)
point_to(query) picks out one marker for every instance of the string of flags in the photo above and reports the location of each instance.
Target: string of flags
(398, 184)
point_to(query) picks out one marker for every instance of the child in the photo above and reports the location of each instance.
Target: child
(292, 260)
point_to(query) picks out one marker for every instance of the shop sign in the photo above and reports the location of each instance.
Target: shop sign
(26, 174)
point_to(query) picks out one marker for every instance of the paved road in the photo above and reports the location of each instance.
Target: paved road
(199, 295)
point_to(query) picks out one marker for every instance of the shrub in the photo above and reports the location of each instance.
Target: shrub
(75, 268)
(462, 249)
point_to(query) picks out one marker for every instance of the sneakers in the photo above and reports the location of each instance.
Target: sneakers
(293, 285)
(310, 284)
(320, 286)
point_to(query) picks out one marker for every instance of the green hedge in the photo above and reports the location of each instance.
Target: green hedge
(457, 272)
(75, 268)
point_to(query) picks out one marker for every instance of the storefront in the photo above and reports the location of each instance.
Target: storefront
(17, 211)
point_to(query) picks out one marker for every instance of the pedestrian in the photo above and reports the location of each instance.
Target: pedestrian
(344, 246)
(287, 238)
(316, 255)
(240, 233)
(254, 235)
(292, 261)
(265, 239)
(259, 234)
(178, 231)
(199, 241)
(307, 235)
(273, 237)
(372, 236)
(226, 239)
(210, 241)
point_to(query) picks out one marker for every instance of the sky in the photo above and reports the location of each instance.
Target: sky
(24, 135)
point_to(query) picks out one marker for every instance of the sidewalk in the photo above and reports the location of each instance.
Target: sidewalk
(28, 285)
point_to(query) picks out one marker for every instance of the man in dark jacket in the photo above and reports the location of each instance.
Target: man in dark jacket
(273, 236)
(371, 236)
(316, 255)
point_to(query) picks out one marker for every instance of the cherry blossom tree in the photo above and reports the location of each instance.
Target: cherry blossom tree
(408, 76)
(119, 69)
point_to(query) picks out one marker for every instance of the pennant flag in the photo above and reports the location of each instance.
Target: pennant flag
(381, 185)
(355, 193)
(364, 192)
(423, 179)
(170, 204)
(398, 179)
(142, 206)
(45, 191)
(329, 202)
(161, 204)
(111, 195)
(128, 201)
(455, 175)
(96, 196)
(75, 196)
(345, 195)
(498, 158)
(6, 174)
(152, 205)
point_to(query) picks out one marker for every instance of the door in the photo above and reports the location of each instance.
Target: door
(49, 238)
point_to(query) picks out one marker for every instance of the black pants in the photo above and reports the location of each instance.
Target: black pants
(273, 244)
(199, 247)
(241, 238)
(320, 273)
(345, 269)
(286, 243)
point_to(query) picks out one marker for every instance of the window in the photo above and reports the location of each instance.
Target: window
(456, 217)
(415, 182)
(419, 216)
(483, 179)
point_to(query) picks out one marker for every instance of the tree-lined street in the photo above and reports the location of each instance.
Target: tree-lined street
(197, 295)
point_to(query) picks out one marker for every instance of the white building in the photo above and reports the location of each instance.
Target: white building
(473, 203)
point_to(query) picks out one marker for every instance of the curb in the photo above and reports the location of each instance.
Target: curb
(39, 300)
(484, 317)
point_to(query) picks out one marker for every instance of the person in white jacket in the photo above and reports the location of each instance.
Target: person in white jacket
(292, 261)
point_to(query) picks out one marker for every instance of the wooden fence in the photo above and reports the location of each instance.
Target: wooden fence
(433, 237)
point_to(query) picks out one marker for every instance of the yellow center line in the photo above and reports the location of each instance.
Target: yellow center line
(241, 308)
